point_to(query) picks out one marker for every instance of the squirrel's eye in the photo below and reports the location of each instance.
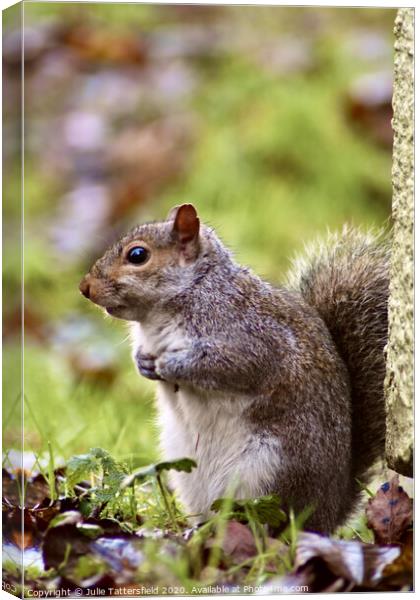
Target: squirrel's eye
(137, 255)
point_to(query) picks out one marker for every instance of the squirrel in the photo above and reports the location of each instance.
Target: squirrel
(270, 390)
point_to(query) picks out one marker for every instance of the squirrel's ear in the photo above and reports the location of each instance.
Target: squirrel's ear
(172, 213)
(186, 229)
(186, 223)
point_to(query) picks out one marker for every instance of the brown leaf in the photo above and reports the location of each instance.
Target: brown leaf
(357, 563)
(98, 585)
(239, 542)
(37, 490)
(390, 512)
(99, 45)
(35, 324)
(10, 487)
(312, 577)
(20, 527)
(64, 543)
(368, 106)
(93, 369)
(400, 572)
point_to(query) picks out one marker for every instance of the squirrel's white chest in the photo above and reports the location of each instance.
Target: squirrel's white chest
(212, 429)
(162, 335)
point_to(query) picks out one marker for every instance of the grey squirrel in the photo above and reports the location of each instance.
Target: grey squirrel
(268, 389)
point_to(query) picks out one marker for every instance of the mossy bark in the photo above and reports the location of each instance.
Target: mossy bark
(400, 354)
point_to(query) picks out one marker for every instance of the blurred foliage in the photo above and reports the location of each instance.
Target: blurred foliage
(275, 122)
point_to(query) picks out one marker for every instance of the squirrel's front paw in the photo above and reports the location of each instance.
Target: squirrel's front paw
(170, 365)
(146, 364)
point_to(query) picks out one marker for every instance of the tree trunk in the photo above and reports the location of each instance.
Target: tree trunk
(399, 379)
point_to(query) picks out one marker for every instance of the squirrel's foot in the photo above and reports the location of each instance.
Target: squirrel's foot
(146, 364)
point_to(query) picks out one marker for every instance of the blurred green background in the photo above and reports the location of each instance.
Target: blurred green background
(273, 121)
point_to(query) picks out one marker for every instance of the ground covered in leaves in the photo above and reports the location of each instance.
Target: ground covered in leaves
(92, 527)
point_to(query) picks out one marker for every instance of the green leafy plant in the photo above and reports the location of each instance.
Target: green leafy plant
(99, 466)
(266, 510)
(183, 464)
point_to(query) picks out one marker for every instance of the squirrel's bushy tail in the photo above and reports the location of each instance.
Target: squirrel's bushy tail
(346, 279)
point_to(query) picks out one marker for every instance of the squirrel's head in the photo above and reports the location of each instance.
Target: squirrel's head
(150, 265)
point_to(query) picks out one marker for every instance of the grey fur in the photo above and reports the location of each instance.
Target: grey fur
(309, 358)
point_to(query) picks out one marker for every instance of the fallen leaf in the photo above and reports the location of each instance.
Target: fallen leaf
(399, 573)
(390, 512)
(238, 542)
(356, 562)
(120, 554)
(313, 577)
(368, 105)
(36, 488)
(63, 543)
(98, 45)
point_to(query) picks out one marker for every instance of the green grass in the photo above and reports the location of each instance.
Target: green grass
(74, 417)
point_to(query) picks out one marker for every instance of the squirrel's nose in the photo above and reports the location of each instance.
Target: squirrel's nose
(84, 286)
